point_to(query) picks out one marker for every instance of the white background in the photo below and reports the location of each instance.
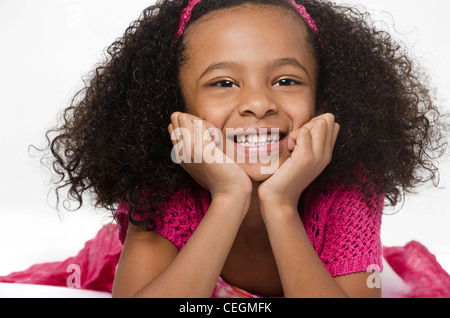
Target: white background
(46, 47)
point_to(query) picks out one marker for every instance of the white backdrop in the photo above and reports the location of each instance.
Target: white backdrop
(48, 45)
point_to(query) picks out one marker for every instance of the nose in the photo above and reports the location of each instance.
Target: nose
(257, 103)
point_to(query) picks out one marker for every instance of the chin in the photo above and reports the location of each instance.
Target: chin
(259, 172)
(259, 178)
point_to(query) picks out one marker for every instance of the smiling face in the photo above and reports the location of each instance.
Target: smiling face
(250, 69)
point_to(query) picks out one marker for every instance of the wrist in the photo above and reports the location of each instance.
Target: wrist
(239, 203)
(277, 211)
(273, 202)
(285, 198)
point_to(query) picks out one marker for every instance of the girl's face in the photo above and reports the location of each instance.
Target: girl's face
(250, 71)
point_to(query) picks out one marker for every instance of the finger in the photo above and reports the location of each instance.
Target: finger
(181, 137)
(319, 134)
(174, 119)
(330, 118)
(175, 153)
(203, 127)
(311, 125)
(175, 134)
(214, 143)
(196, 135)
(174, 130)
(292, 139)
(172, 134)
(211, 132)
(303, 144)
(331, 133)
(187, 129)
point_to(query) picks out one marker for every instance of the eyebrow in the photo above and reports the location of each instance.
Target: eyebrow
(274, 64)
(220, 65)
(288, 61)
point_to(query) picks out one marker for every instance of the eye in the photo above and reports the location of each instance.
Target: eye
(225, 84)
(286, 82)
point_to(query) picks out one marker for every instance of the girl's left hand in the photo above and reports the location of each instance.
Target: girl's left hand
(312, 148)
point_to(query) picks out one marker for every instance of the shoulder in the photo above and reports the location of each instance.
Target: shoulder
(178, 218)
(341, 203)
(140, 249)
(183, 213)
(344, 224)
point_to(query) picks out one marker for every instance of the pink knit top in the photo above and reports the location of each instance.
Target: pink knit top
(342, 224)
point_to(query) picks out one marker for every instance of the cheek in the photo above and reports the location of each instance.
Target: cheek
(301, 116)
(299, 108)
(213, 115)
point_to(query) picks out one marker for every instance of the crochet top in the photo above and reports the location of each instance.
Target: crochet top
(343, 225)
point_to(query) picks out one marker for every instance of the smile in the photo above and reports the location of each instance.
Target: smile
(257, 139)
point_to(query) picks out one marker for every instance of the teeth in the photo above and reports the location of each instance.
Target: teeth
(256, 141)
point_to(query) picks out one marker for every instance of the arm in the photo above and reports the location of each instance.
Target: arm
(301, 270)
(150, 265)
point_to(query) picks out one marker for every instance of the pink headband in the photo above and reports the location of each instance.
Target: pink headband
(186, 16)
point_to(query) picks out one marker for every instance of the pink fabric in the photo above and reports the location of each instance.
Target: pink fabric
(97, 263)
(225, 290)
(183, 213)
(344, 227)
(98, 260)
(305, 16)
(308, 20)
(186, 16)
(420, 270)
(342, 224)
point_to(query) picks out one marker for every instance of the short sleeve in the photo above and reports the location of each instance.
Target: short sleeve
(344, 226)
(352, 238)
(179, 218)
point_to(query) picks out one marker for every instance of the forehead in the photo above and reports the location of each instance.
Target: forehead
(247, 32)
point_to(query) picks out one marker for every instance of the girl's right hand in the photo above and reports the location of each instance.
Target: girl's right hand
(198, 154)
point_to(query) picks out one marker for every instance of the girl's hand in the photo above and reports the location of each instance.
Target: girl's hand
(195, 144)
(312, 148)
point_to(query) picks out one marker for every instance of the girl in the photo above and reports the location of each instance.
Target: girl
(171, 133)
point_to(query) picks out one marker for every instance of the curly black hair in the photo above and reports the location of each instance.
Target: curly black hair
(113, 140)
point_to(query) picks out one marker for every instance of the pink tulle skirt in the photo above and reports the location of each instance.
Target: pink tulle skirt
(414, 271)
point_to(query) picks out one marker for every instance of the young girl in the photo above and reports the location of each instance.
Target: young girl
(171, 133)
